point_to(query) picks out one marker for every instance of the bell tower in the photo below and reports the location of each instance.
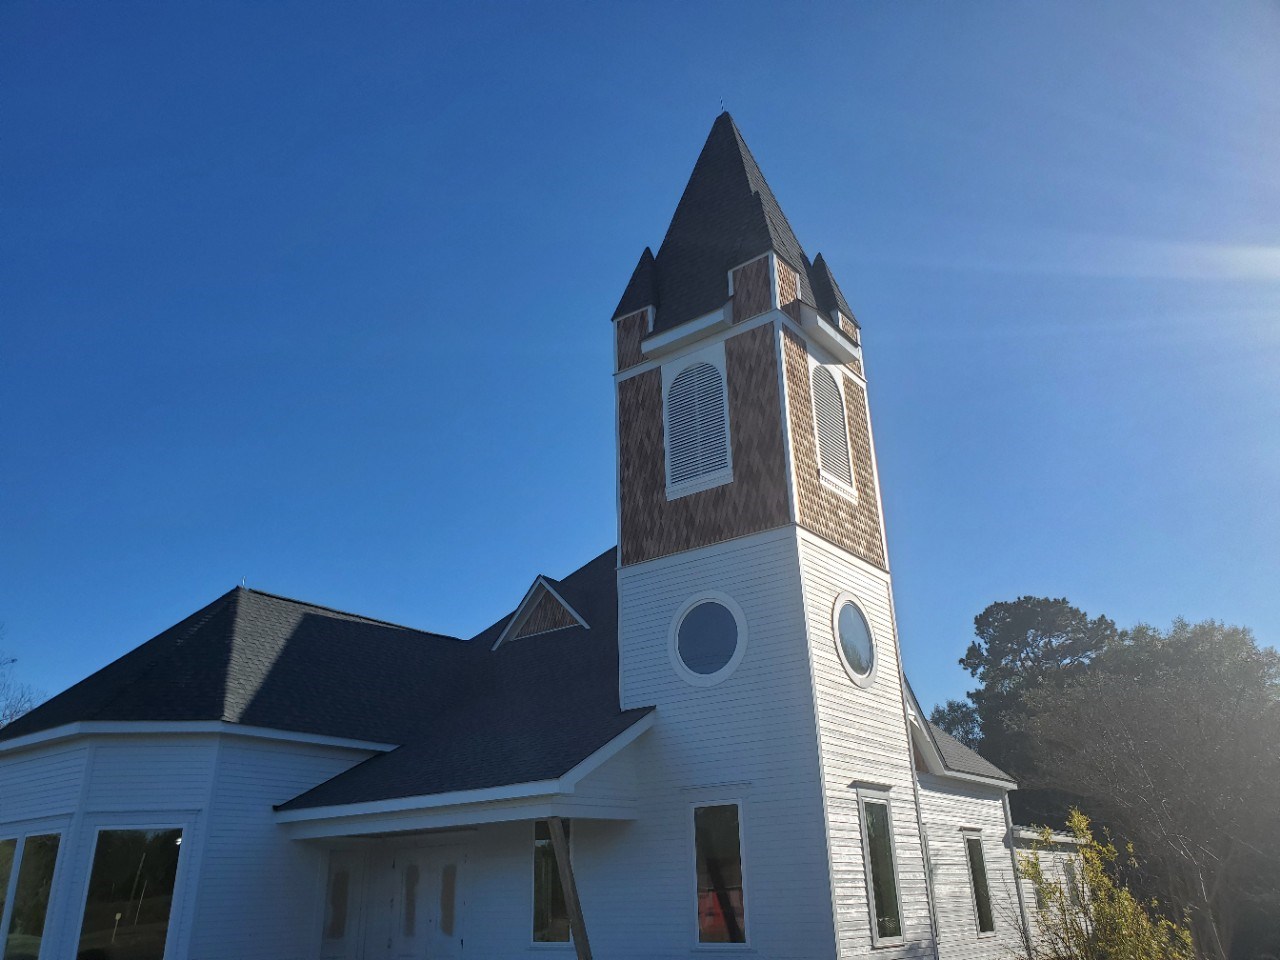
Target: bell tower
(755, 602)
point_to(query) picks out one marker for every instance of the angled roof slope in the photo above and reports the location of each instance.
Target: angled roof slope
(826, 291)
(961, 759)
(464, 716)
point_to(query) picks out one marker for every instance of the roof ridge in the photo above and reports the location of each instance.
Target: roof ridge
(346, 613)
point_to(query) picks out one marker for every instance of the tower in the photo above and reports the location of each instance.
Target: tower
(755, 601)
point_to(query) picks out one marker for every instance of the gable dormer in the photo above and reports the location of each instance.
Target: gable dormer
(542, 610)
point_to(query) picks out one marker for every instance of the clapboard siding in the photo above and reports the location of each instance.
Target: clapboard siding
(173, 772)
(864, 740)
(749, 738)
(259, 891)
(949, 808)
(41, 783)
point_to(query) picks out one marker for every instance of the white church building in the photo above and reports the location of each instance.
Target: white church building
(700, 742)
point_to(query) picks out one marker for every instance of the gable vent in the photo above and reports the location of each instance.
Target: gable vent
(833, 428)
(697, 425)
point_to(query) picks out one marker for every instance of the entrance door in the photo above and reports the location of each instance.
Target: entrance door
(412, 904)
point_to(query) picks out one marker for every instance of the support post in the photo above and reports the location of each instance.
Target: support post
(577, 926)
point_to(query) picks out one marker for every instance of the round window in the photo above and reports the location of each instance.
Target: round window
(853, 637)
(708, 640)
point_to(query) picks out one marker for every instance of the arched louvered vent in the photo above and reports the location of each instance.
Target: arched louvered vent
(833, 428)
(697, 425)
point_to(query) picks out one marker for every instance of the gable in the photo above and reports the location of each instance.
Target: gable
(542, 610)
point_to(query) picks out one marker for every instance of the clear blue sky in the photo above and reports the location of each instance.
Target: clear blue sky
(318, 295)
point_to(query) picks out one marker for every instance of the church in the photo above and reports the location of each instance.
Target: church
(700, 741)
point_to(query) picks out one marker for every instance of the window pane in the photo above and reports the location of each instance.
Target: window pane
(126, 914)
(719, 851)
(31, 897)
(7, 848)
(707, 638)
(335, 902)
(981, 892)
(550, 914)
(884, 886)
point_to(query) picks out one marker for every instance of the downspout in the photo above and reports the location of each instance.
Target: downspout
(1017, 876)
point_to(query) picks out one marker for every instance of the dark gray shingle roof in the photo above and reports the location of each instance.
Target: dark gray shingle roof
(961, 759)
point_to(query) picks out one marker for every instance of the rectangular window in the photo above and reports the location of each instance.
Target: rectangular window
(981, 890)
(718, 842)
(7, 849)
(36, 860)
(126, 912)
(877, 837)
(550, 913)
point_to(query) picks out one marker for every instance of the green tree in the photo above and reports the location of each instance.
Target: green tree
(1087, 912)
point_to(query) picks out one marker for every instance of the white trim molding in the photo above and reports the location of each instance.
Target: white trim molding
(112, 728)
(692, 677)
(525, 607)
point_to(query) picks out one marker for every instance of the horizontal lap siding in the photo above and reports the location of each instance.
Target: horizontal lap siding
(749, 738)
(948, 808)
(260, 892)
(41, 783)
(863, 737)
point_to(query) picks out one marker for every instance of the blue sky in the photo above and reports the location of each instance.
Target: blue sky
(317, 295)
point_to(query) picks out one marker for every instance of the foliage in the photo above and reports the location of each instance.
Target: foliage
(15, 698)
(1088, 913)
(960, 719)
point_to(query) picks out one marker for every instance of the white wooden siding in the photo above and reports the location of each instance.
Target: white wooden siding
(951, 811)
(749, 738)
(864, 740)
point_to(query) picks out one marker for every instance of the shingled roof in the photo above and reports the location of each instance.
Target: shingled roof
(726, 216)
(961, 759)
(464, 717)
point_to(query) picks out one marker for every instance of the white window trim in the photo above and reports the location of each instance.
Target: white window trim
(554, 945)
(874, 795)
(848, 490)
(714, 355)
(20, 833)
(967, 834)
(181, 822)
(740, 803)
(865, 682)
(673, 640)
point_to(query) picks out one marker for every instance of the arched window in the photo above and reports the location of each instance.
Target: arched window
(697, 425)
(833, 427)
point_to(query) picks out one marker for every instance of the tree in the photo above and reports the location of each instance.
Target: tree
(1173, 739)
(15, 698)
(1088, 912)
(1020, 645)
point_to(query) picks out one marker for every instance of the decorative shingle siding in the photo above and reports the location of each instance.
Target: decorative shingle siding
(854, 526)
(547, 614)
(630, 330)
(752, 290)
(789, 291)
(756, 499)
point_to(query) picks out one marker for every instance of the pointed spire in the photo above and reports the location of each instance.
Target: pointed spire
(826, 291)
(640, 292)
(726, 216)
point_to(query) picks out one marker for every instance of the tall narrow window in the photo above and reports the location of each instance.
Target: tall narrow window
(126, 914)
(36, 861)
(833, 427)
(981, 889)
(697, 426)
(7, 849)
(718, 841)
(877, 835)
(550, 912)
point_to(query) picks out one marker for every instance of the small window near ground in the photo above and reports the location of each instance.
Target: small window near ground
(878, 838)
(550, 912)
(721, 906)
(36, 860)
(832, 428)
(126, 914)
(981, 889)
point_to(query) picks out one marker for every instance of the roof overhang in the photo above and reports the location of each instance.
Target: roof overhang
(935, 763)
(520, 801)
(821, 329)
(660, 344)
(152, 728)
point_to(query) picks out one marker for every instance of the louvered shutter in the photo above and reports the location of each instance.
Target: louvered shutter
(697, 425)
(833, 428)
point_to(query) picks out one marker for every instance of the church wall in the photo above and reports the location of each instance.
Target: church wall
(863, 741)
(628, 332)
(949, 807)
(757, 499)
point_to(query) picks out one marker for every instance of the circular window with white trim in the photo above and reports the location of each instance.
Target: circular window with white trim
(708, 639)
(854, 640)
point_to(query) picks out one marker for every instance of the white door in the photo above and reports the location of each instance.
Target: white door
(343, 896)
(442, 873)
(412, 904)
